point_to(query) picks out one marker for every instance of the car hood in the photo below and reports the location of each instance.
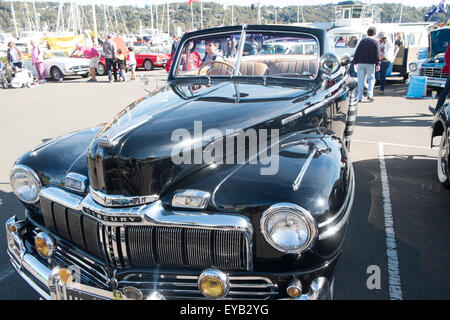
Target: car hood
(69, 61)
(437, 60)
(131, 156)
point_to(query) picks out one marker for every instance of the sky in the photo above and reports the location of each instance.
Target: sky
(281, 3)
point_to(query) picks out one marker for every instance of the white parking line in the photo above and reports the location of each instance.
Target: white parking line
(395, 287)
(6, 273)
(394, 144)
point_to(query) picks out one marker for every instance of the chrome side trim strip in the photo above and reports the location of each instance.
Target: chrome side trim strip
(298, 180)
(121, 201)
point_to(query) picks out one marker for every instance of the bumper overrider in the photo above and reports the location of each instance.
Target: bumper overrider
(71, 273)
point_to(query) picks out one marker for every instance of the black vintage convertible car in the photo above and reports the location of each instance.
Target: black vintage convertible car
(232, 182)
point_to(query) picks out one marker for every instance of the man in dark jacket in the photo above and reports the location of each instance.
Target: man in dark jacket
(109, 50)
(444, 93)
(367, 61)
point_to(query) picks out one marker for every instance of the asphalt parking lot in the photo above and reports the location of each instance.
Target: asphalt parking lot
(395, 178)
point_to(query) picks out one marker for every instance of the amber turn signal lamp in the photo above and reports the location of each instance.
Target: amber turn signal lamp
(65, 275)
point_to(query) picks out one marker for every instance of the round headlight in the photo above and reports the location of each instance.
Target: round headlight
(413, 67)
(25, 184)
(329, 63)
(288, 228)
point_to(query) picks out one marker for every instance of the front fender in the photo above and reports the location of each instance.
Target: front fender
(440, 123)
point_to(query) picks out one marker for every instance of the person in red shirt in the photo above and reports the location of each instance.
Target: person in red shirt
(194, 60)
(92, 54)
(446, 90)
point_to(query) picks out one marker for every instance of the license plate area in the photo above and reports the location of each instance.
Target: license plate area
(73, 294)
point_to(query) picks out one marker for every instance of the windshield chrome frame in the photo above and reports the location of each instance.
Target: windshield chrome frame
(240, 52)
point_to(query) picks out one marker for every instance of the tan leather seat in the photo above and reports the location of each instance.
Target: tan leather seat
(295, 66)
(253, 68)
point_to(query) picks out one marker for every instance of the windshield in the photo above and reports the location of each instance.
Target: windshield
(258, 54)
(54, 54)
(346, 40)
(440, 39)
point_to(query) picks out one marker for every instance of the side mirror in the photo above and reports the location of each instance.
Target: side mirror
(329, 63)
(345, 60)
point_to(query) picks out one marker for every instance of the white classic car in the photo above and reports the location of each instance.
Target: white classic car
(58, 65)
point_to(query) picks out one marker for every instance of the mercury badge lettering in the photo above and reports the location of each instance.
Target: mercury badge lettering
(105, 217)
(233, 181)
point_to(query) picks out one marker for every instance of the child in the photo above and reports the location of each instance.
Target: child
(132, 63)
(122, 63)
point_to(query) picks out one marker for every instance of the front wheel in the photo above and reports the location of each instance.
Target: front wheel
(148, 65)
(56, 74)
(101, 69)
(442, 162)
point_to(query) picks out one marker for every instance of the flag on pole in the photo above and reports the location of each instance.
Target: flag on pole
(435, 10)
(190, 1)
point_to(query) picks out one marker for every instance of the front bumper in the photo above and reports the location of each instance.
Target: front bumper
(75, 72)
(436, 82)
(44, 278)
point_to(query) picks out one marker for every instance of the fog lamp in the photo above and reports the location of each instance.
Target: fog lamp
(213, 284)
(65, 275)
(193, 199)
(44, 244)
(294, 290)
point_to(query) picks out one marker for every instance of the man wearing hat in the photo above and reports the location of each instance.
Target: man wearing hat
(387, 50)
(109, 50)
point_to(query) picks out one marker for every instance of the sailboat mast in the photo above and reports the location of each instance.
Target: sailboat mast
(157, 21)
(201, 14)
(192, 17)
(94, 17)
(151, 16)
(232, 15)
(401, 15)
(14, 19)
(36, 19)
(115, 18)
(168, 19)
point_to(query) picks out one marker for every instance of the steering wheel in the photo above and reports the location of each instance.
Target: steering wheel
(226, 64)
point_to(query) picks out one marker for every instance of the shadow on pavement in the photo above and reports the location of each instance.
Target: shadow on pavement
(417, 120)
(421, 218)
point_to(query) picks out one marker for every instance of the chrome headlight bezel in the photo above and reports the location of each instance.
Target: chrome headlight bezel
(329, 63)
(32, 176)
(413, 67)
(297, 212)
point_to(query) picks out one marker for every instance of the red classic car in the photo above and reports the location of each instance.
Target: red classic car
(149, 60)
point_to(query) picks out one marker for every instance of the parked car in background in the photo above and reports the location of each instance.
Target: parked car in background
(141, 209)
(58, 65)
(149, 60)
(431, 67)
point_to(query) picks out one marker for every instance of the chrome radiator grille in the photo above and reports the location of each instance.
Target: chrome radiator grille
(433, 73)
(175, 246)
(145, 246)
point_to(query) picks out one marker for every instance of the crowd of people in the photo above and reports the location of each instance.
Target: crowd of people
(116, 61)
